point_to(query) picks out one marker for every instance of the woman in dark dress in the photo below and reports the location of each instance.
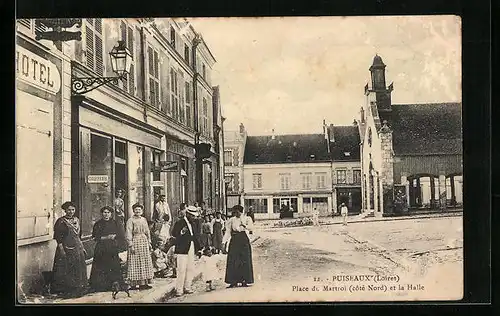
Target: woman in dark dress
(109, 235)
(239, 266)
(70, 270)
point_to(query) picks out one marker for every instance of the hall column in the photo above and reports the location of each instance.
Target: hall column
(442, 191)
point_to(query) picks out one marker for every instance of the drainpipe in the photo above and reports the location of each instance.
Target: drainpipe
(199, 165)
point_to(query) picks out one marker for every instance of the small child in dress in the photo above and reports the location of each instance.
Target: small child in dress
(172, 261)
(160, 261)
(209, 262)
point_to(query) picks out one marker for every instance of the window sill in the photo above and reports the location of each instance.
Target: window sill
(34, 240)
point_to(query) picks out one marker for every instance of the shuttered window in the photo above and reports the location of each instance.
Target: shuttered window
(174, 93)
(205, 117)
(188, 99)
(154, 78)
(127, 35)
(94, 45)
(182, 103)
(34, 25)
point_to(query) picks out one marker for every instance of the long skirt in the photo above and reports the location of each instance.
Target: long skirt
(239, 266)
(140, 264)
(70, 271)
(106, 267)
(217, 236)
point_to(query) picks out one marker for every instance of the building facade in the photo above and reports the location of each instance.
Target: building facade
(346, 167)
(411, 153)
(234, 149)
(141, 135)
(287, 170)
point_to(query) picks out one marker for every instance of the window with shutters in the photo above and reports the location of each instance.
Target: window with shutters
(174, 93)
(182, 98)
(284, 181)
(228, 158)
(188, 99)
(341, 176)
(205, 118)
(127, 35)
(186, 54)
(94, 46)
(257, 180)
(321, 180)
(172, 36)
(306, 181)
(33, 25)
(154, 78)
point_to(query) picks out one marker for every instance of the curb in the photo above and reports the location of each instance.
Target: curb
(167, 292)
(374, 219)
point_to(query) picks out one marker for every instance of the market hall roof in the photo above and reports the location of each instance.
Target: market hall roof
(425, 129)
(279, 149)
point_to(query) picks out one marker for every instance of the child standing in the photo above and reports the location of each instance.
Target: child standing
(160, 261)
(172, 261)
(209, 262)
(206, 232)
(218, 228)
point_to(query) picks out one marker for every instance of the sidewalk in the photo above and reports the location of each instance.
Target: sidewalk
(161, 287)
(337, 220)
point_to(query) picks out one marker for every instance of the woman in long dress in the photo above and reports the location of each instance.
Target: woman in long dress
(69, 270)
(109, 235)
(239, 266)
(140, 271)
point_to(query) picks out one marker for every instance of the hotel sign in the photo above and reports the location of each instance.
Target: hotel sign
(37, 70)
(180, 149)
(169, 166)
(97, 179)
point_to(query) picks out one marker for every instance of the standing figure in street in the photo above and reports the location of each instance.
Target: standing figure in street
(186, 246)
(140, 271)
(109, 235)
(162, 219)
(315, 215)
(343, 212)
(206, 233)
(218, 228)
(239, 266)
(120, 207)
(251, 214)
(209, 261)
(70, 270)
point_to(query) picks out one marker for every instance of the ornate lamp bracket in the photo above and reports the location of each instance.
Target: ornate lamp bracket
(85, 84)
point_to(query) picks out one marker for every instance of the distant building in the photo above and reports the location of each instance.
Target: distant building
(234, 148)
(346, 167)
(411, 153)
(287, 170)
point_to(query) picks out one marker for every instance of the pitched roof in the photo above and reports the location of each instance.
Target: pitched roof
(425, 129)
(346, 144)
(285, 149)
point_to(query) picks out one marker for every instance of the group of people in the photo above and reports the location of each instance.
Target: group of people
(152, 249)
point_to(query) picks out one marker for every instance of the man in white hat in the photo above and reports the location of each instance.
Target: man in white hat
(186, 246)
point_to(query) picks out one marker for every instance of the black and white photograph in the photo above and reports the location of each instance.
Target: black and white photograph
(239, 159)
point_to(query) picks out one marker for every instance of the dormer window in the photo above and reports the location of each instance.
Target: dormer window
(312, 157)
(288, 158)
(347, 154)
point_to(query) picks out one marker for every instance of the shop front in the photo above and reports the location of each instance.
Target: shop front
(112, 155)
(351, 197)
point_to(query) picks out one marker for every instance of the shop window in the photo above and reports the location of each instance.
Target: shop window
(258, 205)
(184, 179)
(156, 165)
(286, 203)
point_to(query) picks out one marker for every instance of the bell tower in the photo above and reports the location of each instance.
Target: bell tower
(378, 87)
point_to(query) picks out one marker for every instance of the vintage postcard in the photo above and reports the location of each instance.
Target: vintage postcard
(212, 160)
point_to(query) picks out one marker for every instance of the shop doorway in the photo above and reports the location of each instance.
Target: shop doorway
(120, 174)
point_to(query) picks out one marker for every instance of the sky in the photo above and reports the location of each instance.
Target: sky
(291, 73)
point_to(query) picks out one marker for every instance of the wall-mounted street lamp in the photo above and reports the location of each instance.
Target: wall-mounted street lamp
(121, 60)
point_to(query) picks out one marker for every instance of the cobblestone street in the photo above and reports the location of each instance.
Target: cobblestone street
(422, 253)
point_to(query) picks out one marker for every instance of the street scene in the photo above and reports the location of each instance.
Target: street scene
(212, 160)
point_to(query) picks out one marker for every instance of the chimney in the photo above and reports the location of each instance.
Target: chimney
(242, 128)
(355, 123)
(331, 136)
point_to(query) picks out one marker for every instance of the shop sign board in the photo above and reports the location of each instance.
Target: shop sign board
(169, 166)
(37, 70)
(91, 178)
